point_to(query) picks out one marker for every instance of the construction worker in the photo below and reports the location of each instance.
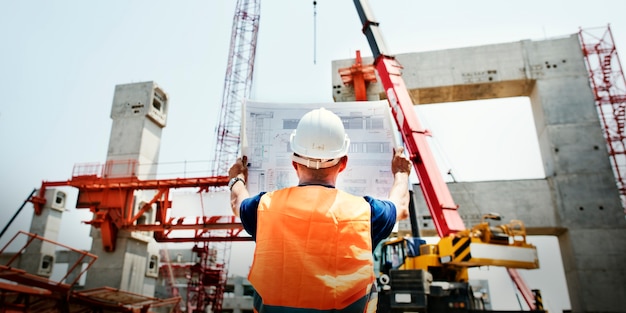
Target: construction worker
(314, 243)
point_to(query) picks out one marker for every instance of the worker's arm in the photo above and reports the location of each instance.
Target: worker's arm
(238, 191)
(399, 193)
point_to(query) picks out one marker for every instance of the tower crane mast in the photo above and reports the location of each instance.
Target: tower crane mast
(237, 88)
(237, 83)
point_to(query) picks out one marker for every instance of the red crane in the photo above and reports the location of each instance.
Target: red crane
(436, 193)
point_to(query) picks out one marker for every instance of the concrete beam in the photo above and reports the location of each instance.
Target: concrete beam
(578, 201)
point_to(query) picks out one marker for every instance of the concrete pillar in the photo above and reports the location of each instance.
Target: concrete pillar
(71, 258)
(583, 186)
(238, 290)
(39, 257)
(139, 113)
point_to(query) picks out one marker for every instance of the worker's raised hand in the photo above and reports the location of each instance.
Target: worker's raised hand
(400, 163)
(240, 168)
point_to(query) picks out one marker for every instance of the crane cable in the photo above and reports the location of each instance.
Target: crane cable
(314, 32)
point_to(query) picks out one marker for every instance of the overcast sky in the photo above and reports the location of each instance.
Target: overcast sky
(61, 60)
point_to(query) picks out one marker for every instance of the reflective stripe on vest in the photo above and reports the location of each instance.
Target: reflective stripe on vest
(313, 249)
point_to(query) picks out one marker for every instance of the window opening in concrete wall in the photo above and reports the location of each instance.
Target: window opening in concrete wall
(159, 100)
(484, 140)
(60, 198)
(153, 268)
(45, 267)
(141, 220)
(58, 201)
(156, 104)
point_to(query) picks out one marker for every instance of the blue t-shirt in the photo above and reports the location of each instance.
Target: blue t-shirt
(383, 216)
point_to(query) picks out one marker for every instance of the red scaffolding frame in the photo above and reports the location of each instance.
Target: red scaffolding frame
(23, 291)
(609, 87)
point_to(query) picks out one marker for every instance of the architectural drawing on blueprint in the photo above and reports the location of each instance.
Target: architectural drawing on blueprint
(369, 125)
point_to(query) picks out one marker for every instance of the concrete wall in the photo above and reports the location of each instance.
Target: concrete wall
(578, 200)
(509, 198)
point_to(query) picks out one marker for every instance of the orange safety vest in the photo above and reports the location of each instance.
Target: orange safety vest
(313, 249)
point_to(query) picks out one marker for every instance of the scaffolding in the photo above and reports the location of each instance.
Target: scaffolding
(21, 290)
(609, 87)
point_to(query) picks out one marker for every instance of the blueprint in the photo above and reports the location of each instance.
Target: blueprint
(372, 132)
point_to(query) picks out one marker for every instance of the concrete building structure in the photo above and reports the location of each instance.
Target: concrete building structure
(39, 258)
(578, 200)
(139, 113)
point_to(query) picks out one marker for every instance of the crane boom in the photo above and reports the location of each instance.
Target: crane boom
(438, 199)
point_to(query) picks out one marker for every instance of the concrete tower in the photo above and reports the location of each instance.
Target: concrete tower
(139, 114)
(39, 257)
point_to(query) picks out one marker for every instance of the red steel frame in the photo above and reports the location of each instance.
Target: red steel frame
(23, 277)
(21, 291)
(359, 76)
(609, 87)
(110, 199)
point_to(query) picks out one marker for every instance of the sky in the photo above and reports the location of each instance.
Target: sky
(60, 62)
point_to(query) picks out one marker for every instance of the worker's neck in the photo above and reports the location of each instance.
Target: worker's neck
(309, 177)
(325, 182)
(325, 176)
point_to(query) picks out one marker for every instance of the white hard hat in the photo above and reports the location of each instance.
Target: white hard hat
(319, 138)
